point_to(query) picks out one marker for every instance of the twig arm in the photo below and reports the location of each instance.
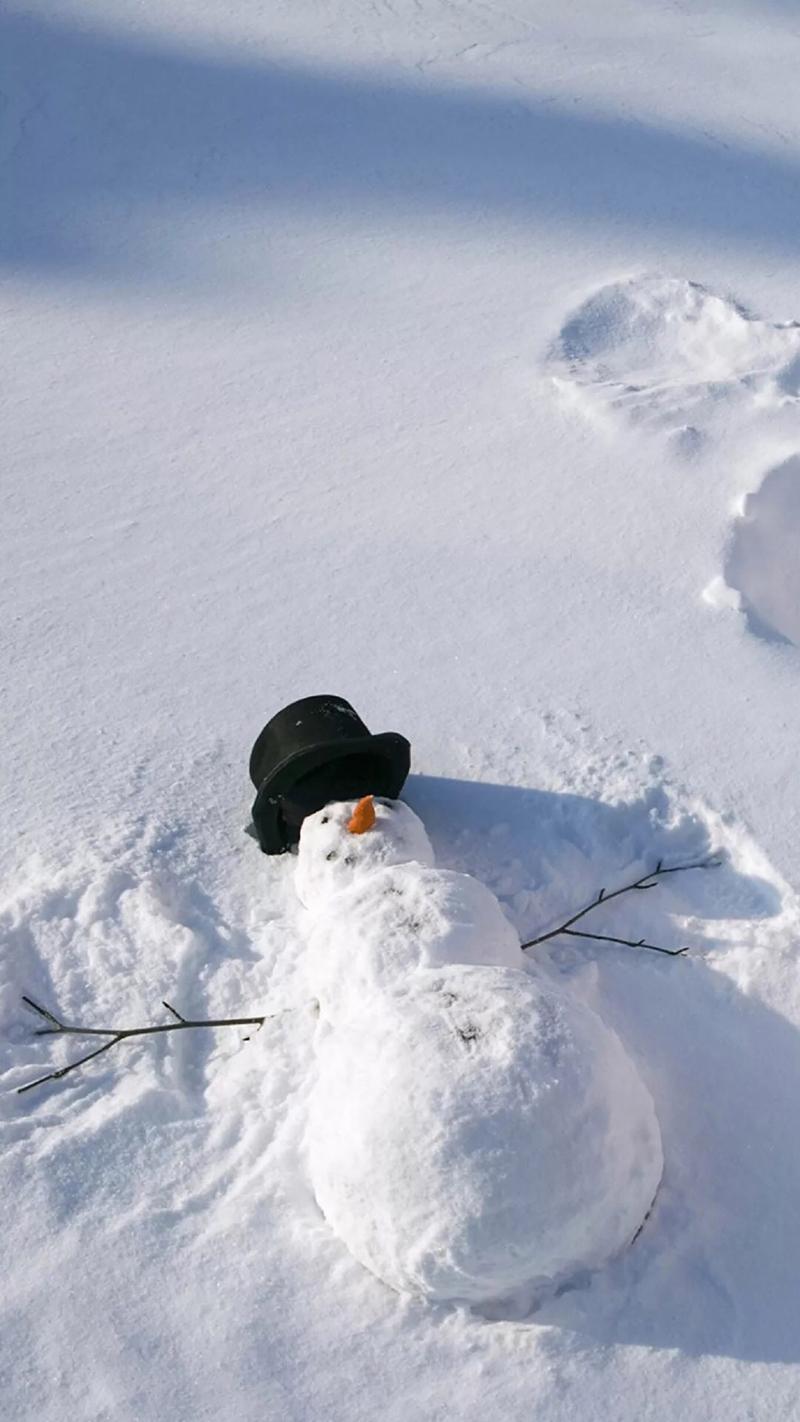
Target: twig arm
(116, 1035)
(62, 1028)
(627, 942)
(647, 881)
(56, 1075)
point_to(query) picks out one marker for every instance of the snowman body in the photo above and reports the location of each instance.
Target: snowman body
(475, 1133)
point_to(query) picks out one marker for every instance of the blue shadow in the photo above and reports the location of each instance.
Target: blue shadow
(114, 149)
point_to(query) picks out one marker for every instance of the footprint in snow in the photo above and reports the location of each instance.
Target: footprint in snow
(672, 356)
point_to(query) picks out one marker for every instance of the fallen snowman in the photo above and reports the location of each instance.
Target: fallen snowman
(475, 1133)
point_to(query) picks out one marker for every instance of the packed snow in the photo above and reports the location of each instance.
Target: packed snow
(444, 356)
(661, 350)
(496, 1140)
(762, 563)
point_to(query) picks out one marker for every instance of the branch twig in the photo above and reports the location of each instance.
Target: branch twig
(647, 881)
(122, 1034)
(627, 942)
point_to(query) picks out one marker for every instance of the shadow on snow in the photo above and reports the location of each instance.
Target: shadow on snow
(114, 150)
(715, 1269)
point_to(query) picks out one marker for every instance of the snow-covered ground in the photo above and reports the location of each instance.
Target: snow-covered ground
(442, 356)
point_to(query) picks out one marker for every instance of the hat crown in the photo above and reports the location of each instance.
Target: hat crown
(301, 725)
(315, 751)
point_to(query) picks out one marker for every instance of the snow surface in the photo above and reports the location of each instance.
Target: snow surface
(475, 1134)
(763, 561)
(293, 402)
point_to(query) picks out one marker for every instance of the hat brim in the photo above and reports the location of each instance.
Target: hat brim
(392, 749)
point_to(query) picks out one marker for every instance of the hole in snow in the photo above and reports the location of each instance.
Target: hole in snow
(763, 563)
(469, 1032)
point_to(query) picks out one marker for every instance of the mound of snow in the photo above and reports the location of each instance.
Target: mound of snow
(762, 563)
(474, 1134)
(651, 331)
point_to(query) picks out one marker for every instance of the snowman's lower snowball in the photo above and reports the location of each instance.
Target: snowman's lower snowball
(475, 1133)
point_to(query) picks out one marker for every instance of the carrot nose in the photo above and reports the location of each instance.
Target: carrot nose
(363, 816)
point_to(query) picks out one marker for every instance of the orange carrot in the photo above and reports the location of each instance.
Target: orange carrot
(363, 817)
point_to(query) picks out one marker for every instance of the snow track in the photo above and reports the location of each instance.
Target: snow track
(694, 368)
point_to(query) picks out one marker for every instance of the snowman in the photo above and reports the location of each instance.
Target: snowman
(475, 1134)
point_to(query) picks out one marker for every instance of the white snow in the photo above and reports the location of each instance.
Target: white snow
(662, 348)
(763, 561)
(474, 1133)
(331, 860)
(441, 356)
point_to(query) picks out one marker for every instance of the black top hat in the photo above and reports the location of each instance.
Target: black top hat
(315, 751)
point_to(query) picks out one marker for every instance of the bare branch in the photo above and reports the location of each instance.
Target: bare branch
(43, 1013)
(647, 881)
(627, 942)
(56, 1075)
(124, 1034)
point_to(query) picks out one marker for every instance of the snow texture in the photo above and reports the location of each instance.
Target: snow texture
(763, 563)
(661, 349)
(474, 1134)
(443, 356)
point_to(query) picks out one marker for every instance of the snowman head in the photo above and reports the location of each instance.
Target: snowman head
(350, 839)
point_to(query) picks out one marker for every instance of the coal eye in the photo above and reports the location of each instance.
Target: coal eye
(349, 860)
(331, 854)
(324, 819)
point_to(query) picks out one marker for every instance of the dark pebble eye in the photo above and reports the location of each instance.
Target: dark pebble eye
(324, 819)
(349, 860)
(331, 854)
